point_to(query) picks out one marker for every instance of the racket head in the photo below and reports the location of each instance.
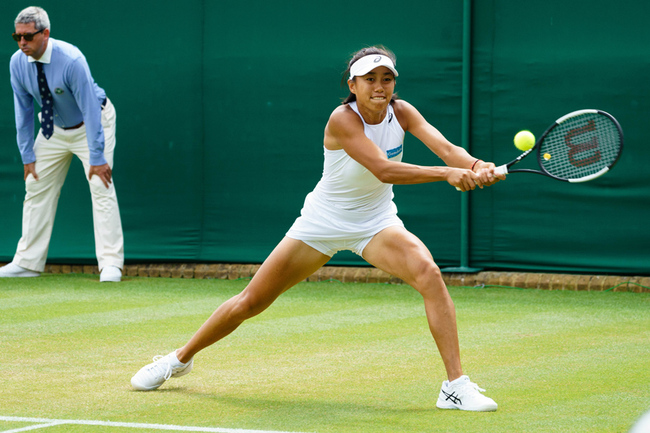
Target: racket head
(580, 146)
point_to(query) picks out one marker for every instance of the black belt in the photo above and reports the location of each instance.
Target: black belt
(75, 127)
(81, 124)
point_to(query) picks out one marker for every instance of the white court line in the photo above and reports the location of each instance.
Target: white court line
(31, 427)
(54, 422)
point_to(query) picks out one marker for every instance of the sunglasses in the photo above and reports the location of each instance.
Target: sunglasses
(28, 36)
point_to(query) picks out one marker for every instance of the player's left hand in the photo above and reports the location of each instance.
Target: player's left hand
(103, 171)
(485, 170)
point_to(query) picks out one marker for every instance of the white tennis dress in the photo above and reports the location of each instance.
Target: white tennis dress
(349, 202)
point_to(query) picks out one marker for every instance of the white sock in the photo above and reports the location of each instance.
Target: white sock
(175, 358)
(456, 380)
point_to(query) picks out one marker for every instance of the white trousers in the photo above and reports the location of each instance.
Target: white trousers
(53, 158)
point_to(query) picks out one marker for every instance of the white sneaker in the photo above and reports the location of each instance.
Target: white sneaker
(464, 395)
(13, 270)
(151, 376)
(642, 425)
(110, 274)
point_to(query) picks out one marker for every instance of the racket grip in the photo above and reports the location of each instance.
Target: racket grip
(502, 169)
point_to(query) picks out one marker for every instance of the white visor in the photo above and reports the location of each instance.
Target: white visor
(370, 62)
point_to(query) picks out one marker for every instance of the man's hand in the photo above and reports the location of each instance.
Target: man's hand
(103, 171)
(30, 168)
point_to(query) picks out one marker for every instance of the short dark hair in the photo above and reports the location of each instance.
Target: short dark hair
(376, 49)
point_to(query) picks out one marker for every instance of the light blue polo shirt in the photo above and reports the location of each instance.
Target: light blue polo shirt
(76, 96)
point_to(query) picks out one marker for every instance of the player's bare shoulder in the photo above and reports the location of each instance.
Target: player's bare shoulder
(342, 118)
(342, 123)
(405, 113)
(342, 114)
(403, 107)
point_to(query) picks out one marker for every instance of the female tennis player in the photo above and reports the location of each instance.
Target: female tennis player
(352, 208)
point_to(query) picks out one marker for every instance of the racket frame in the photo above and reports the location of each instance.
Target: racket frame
(505, 168)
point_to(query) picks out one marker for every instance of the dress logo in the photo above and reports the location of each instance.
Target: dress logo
(394, 152)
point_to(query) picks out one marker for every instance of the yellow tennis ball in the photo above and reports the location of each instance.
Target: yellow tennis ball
(524, 140)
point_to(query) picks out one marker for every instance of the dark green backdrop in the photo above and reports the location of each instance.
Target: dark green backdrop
(221, 109)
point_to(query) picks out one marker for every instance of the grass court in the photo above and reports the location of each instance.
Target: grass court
(327, 357)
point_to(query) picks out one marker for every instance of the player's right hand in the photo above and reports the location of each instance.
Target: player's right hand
(464, 180)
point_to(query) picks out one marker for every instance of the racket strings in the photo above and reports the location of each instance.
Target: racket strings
(581, 146)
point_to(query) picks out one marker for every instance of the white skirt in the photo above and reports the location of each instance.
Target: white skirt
(320, 221)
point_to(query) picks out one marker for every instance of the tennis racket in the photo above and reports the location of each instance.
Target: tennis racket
(577, 147)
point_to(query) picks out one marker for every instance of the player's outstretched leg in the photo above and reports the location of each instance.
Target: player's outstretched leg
(290, 262)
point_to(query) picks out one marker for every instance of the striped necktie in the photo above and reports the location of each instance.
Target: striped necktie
(47, 111)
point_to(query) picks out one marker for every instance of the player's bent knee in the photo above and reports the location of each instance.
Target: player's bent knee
(427, 270)
(428, 278)
(247, 306)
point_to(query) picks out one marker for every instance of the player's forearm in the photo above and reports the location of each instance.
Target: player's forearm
(398, 173)
(458, 157)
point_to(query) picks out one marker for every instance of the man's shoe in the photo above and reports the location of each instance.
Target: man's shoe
(151, 376)
(464, 395)
(111, 274)
(13, 270)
